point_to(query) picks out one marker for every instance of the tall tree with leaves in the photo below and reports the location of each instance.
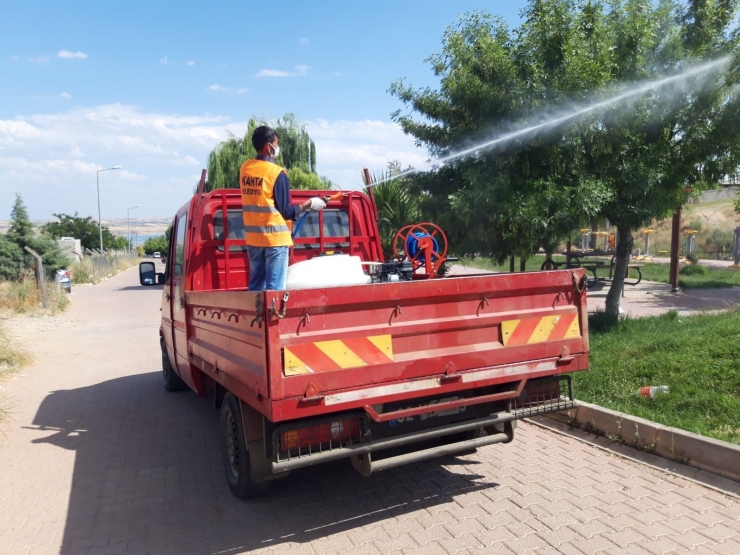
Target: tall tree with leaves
(20, 235)
(297, 152)
(84, 229)
(629, 161)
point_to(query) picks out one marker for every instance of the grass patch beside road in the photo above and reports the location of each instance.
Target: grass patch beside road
(698, 357)
(23, 296)
(11, 359)
(713, 278)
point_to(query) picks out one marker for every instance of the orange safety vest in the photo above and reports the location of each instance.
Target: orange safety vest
(264, 226)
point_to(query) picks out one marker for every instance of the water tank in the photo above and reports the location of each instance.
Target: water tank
(336, 270)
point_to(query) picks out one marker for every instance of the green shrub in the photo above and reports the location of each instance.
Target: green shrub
(719, 239)
(693, 259)
(693, 270)
(695, 224)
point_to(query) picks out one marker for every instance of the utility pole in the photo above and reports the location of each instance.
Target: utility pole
(100, 225)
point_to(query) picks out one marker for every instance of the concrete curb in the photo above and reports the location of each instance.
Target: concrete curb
(711, 455)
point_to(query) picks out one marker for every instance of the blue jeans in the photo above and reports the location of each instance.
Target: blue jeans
(268, 268)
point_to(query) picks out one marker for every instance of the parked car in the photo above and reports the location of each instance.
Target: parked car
(157, 255)
(64, 280)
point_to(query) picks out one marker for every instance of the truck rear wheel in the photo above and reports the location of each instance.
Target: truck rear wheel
(172, 382)
(236, 453)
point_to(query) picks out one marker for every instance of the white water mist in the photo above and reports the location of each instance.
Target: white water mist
(573, 114)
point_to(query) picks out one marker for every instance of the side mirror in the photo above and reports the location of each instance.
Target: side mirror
(160, 278)
(147, 274)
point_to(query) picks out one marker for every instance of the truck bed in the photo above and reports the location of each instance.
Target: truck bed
(318, 351)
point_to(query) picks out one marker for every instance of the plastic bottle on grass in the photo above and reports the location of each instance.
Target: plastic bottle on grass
(653, 391)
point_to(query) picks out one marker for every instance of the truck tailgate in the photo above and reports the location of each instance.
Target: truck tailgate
(348, 347)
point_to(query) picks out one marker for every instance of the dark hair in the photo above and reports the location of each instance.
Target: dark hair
(262, 136)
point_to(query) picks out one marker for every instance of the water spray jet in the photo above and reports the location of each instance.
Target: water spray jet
(639, 89)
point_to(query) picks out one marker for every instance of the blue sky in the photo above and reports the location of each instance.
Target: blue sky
(153, 86)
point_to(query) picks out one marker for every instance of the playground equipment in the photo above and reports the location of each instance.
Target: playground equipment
(690, 240)
(647, 233)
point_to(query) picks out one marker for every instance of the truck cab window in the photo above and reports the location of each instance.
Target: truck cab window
(336, 224)
(236, 229)
(179, 262)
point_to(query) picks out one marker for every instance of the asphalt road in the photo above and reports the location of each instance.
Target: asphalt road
(99, 459)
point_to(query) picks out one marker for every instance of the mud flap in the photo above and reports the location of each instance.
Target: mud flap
(260, 467)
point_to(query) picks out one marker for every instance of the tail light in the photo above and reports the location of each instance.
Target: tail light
(327, 433)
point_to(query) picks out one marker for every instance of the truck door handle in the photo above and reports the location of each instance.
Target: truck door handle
(182, 302)
(168, 296)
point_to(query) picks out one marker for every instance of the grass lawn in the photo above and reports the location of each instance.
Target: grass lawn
(715, 278)
(697, 356)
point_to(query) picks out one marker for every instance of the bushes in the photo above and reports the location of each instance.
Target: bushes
(693, 270)
(23, 295)
(92, 269)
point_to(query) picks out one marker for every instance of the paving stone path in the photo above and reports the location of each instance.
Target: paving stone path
(99, 459)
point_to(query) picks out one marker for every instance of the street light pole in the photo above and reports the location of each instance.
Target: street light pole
(129, 225)
(97, 181)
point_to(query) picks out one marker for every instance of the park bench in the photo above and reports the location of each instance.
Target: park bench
(593, 266)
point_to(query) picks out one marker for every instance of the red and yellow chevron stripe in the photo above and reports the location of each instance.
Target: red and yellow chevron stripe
(326, 356)
(526, 331)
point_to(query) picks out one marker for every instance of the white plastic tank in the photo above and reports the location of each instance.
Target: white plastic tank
(335, 270)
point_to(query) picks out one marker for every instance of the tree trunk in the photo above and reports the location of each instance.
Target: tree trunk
(522, 264)
(622, 260)
(511, 264)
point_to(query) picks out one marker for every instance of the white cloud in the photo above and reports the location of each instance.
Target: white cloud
(71, 55)
(303, 40)
(300, 71)
(343, 148)
(66, 95)
(52, 158)
(40, 59)
(164, 61)
(190, 63)
(229, 90)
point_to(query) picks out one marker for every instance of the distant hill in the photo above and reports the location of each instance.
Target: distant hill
(144, 226)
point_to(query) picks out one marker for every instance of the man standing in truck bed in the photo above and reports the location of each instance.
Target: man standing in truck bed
(267, 211)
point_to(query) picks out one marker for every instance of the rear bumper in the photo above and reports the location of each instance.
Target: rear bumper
(361, 449)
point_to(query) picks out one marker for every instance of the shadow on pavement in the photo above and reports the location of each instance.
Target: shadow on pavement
(148, 478)
(140, 288)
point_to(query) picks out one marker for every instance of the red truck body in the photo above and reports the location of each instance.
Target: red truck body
(336, 372)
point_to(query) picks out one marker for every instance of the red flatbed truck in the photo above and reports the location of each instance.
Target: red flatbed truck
(383, 374)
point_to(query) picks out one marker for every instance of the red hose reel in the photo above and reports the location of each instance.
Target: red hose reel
(424, 245)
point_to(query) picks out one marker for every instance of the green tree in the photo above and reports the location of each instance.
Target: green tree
(156, 244)
(14, 259)
(12, 263)
(297, 151)
(629, 162)
(397, 204)
(300, 179)
(84, 229)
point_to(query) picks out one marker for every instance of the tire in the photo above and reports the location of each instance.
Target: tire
(236, 454)
(170, 379)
